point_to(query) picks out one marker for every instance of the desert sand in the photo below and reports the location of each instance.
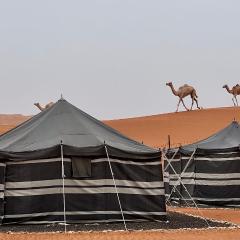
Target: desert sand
(214, 234)
(9, 121)
(183, 127)
(12, 119)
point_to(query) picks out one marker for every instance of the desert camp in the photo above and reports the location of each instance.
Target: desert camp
(63, 165)
(119, 120)
(50, 175)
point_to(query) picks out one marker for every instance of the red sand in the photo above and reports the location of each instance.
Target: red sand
(183, 127)
(216, 234)
(9, 121)
(12, 119)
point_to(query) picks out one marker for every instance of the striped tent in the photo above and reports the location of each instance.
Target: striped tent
(63, 165)
(208, 171)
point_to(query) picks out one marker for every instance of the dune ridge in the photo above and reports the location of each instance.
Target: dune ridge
(183, 127)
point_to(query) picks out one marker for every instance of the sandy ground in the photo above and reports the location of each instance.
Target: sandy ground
(221, 214)
(230, 215)
(216, 234)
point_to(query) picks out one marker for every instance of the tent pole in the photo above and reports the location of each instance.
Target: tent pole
(169, 141)
(63, 188)
(179, 175)
(119, 202)
(175, 153)
(174, 186)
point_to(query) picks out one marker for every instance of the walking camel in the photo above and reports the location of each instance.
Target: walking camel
(45, 107)
(234, 91)
(183, 92)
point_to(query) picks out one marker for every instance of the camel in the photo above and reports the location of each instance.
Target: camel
(234, 91)
(43, 108)
(183, 92)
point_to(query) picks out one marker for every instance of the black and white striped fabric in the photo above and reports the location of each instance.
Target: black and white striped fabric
(31, 176)
(33, 191)
(207, 171)
(2, 188)
(212, 179)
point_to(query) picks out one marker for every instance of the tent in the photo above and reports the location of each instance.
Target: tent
(63, 165)
(207, 171)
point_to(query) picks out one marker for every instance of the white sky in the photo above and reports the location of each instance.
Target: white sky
(112, 58)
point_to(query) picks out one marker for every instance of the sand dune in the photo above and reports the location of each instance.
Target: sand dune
(9, 121)
(12, 119)
(183, 127)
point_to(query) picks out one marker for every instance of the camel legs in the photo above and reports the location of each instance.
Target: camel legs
(184, 105)
(178, 104)
(181, 101)
(196, 103)
(194, 99)
(192, 103)
(235, 102)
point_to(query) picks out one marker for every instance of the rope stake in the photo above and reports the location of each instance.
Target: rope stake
(63, 192)
(115, 185)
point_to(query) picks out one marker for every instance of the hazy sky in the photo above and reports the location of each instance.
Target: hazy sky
(112, 58)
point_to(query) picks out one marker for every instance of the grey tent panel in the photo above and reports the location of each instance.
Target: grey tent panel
(224, 140)
(80, 134)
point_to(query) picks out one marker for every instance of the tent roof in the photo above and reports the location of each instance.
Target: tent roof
(226, 139)
(80, 134)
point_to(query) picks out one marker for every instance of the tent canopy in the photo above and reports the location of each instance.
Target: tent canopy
(227, 139)
(80, 134)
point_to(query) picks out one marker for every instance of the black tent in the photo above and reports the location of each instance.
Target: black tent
(207, 171)
(64, 165)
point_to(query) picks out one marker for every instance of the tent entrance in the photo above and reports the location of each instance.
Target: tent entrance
(2, 190)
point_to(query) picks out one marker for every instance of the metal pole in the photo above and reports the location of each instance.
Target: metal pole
(165, 157)
(63, 190)
(169, 142)
(181, 183)
(175, 185)
(119, 202)
(179, 175)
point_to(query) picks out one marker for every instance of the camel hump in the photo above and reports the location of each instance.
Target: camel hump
(184, 86)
